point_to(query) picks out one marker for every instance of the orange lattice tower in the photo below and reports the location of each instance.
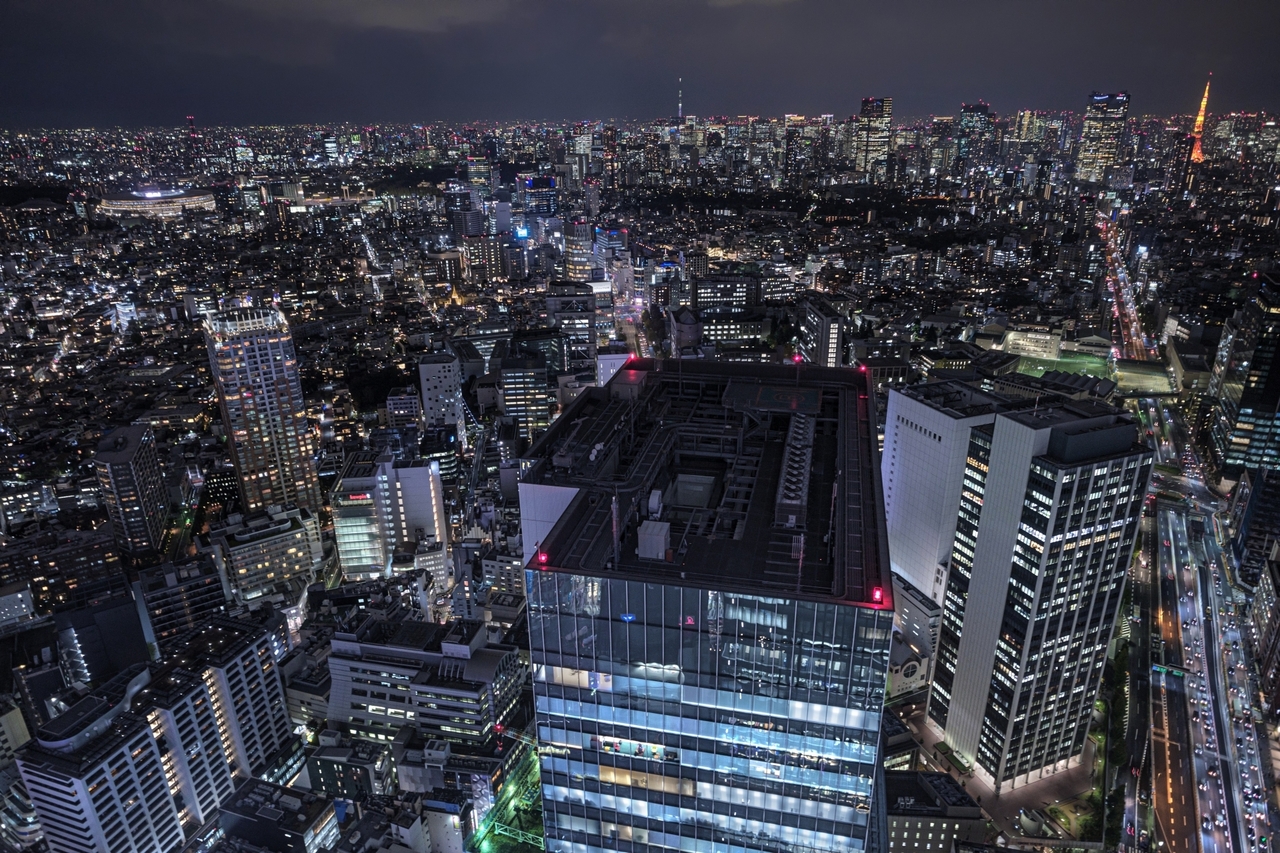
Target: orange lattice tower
(1197, 155)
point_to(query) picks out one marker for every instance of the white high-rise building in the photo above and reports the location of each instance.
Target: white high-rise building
(379, 503)
(182, 713)
(440, 377)
(237, 665)
(255, 371)
(159, 747)
(926, 441)
(414, 500)
(98, 778)
(1050, 503)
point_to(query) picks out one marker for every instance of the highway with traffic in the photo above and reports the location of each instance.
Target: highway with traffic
(1207, 786)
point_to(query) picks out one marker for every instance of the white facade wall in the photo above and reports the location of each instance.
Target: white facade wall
(922, 468)
(440, 378)
(540, 508)
(258, 725)
(413, 500)
(119, 803)
(1013, 446)
(201, 772)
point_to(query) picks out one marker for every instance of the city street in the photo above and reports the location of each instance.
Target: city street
(1174, 791)
(1132, 343)
(1205, 777)
(1203, 660)
(1234, 687)
(1200, 682)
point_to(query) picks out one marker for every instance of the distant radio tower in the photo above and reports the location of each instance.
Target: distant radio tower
(1197, 155)
(680, 98)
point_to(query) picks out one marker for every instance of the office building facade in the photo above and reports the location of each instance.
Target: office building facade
(363, 551)
(930, 812)
(1264, 634)
(440, 378)
(133, 489)
(1244, 427)
(444, 680)
(380, 505)
(1050, 505)
(255, 371)
(926, 443)
(571, 308)
(1100, 138)
(875, 129)
(709, 665)
(822, 335)
(404, 408)
(523, 395)
(256, 553)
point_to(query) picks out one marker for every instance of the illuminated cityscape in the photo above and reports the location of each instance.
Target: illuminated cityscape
(892, 468)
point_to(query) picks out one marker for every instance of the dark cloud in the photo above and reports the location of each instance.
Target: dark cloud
(96, 62)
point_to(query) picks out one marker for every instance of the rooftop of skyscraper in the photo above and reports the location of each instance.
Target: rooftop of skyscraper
(216, 643)
(237, 321)
(757, 478)
(959, 399)
(121, 444)
(1084, 428)
(910, 793)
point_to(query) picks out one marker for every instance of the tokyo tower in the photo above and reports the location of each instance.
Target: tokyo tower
(1197, 156)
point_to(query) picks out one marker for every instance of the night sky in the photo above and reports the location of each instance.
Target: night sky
(134, 62)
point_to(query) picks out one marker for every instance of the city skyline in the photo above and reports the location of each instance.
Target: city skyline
(851, 110)
(771, 483)
(236, 63)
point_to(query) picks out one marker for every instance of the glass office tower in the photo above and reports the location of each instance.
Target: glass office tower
(1244, 428)
(709, 621)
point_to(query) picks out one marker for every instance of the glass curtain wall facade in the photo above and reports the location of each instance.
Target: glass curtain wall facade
(679, 718)
(1245, 428)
